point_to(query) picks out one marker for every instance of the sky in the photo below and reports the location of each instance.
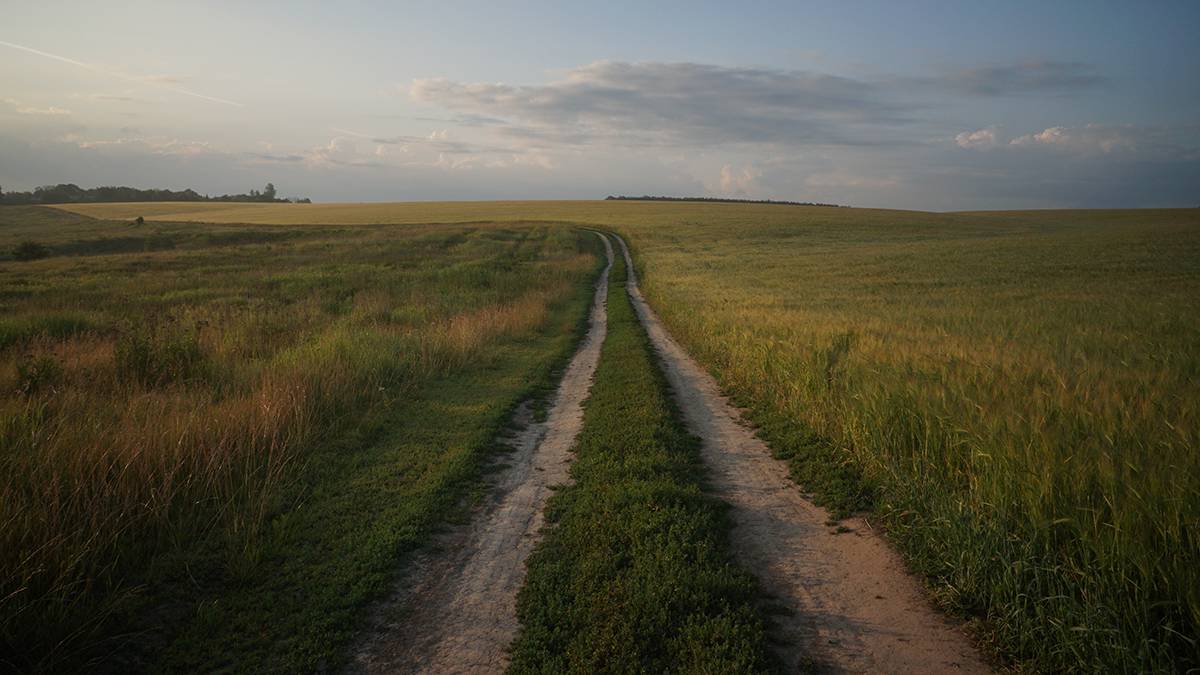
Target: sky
(917, 105)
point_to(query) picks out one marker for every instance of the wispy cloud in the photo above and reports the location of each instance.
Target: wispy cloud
(22, 109)
(438, 140)
(1054, 77)
(165, 81)
(685, 104)
(156, 145)
(114, 98)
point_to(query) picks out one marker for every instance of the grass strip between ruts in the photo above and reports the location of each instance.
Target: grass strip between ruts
(635, 574)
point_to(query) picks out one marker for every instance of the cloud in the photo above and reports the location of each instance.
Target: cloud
(1029, 77)
(22, 109)
(1144, 142)
(840, 178)
(739, 183)
(467, 120)
(435, 150)
(438, 141)
(267, 158)
(980, 139)
(155, 145)
(113, 98)
(1092, 138)
(166, 81)
(339, 152)
(687, 104)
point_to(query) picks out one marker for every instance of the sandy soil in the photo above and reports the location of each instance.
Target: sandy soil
(457, 610)
(852, 605)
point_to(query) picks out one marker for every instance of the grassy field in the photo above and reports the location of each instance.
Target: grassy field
(1014, 394)
(216, 442)
(635, 575)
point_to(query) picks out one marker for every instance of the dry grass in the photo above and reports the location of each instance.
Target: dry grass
(1014, 393)
(188, 382)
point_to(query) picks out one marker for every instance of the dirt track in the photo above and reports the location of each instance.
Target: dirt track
(457, 612)
(853, 605)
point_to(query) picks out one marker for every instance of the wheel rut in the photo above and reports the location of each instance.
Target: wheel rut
(848, 602)
(457, 610)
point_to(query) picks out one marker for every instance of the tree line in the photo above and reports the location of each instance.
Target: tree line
(650, 198)
(70, 193)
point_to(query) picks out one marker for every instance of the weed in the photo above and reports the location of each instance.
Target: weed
(155, 354)
(36, 373)
(30, 250)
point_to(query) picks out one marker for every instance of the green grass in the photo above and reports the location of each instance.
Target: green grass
(362, 504)
(634, 574)
(215, 451)
(1015, 395)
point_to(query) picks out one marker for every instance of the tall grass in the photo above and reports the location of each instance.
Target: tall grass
(1013, 393)
(173, 415)
(1015, 396)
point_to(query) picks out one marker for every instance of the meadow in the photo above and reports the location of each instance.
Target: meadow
(1013, 395)
(196, 422)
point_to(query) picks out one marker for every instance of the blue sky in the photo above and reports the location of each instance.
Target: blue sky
(935, 105)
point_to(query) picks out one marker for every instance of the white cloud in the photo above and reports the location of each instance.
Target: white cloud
(980, 139)
(340, 151)
(1144, 142)
(737, 183)
(1091, 138)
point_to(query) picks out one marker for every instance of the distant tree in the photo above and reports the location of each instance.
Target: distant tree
(69, 193)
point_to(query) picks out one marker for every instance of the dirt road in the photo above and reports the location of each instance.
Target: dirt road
(457, 612)
(853, 605)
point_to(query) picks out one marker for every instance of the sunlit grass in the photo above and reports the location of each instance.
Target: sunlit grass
(156, 401)
(1015, 394)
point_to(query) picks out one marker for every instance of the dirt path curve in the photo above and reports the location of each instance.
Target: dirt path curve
(458, 612)
(853, 607)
